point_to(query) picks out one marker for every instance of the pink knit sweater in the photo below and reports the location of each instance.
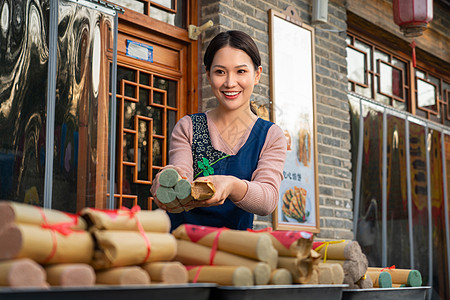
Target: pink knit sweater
(263, 189)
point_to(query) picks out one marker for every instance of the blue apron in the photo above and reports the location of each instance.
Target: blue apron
(242, 165)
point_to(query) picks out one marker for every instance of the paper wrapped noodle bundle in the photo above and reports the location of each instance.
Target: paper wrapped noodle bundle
(292, 243)
(202, 190)
(380, 279)
(190, 253)
(331, 273)
(80, 275)
(408, 277)
(301, 268)
(222, 275)
(121, 219)
(281, 277)
(123, 276)
(126, 248)
(167, 272)
(15, 212)
(46, 245)
(257, 246)
(22, 272)
(339, 250)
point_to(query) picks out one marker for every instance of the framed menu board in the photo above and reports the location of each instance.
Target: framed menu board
(293, 109)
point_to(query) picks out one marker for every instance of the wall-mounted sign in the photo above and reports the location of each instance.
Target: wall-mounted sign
(139, 51)
(293, 107)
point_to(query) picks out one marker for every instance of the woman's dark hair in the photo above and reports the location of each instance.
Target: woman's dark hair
(235, 39)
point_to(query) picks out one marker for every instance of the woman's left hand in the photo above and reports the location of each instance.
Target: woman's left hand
(226, 187)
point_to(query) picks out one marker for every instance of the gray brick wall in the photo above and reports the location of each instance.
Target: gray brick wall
(333, 119)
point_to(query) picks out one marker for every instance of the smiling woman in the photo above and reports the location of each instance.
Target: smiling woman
(245, 152)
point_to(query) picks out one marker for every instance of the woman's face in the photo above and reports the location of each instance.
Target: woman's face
(232, 77)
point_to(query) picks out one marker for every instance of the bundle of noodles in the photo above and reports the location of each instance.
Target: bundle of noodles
(44, 235)
(304, 270)
(129, 242)
(33, 235)
(15, 212)
(222, 275)
(399, 277)
(22, 272)
(174, 191)
(225, 256)
(126, 219)
(127, 248)
(295, 255)
(257, 246)
(347, 254)
(170, 272)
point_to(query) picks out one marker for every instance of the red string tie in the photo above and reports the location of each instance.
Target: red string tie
(215, 245)
(63, 228)
(267, 229)
(388, 268)
(132, 213)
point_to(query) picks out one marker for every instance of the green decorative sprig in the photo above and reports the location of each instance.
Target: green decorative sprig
(205, 166)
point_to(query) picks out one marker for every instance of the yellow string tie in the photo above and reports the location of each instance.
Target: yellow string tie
(364, 277)
(325, 244)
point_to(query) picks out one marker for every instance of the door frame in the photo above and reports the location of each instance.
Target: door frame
(143, 27)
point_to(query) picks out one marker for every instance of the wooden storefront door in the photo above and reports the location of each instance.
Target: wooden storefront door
(151, 97)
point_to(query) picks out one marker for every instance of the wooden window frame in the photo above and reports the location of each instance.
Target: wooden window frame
(366, 68)
(378, 75)
(438, 100)
(409, 86)
(374, 73)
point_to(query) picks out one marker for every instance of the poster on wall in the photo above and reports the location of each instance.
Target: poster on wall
(293, 109)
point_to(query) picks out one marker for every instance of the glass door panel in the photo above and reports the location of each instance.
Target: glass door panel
(369, 220)
(82, 128)
(440, 274)
(420, 220)
(398, 245)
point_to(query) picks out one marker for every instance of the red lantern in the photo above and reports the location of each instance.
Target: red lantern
(412, 15)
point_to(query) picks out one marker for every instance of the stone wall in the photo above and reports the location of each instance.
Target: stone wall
(333, 119)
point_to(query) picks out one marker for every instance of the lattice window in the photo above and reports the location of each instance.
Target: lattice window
(432, 94)
(377, 73)
(146, 111)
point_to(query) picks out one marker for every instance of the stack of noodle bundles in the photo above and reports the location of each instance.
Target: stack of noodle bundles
(133, 246)
(295, 254)
(348, 254)
(393, 277)
(43, 246)
(228, 257)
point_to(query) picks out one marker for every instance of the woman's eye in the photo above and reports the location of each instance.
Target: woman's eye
(219, 72)
(241, 71)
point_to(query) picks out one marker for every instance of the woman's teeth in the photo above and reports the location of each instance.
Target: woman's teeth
(231, 93)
